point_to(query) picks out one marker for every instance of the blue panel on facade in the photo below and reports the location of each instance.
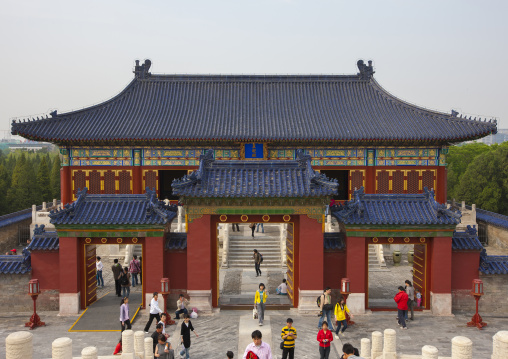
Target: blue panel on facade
(254, 150)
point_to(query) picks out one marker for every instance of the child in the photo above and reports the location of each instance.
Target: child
(282, 289)
(118, 348)
(418, 298)
(164, 350)
(229, 355)
(163, 322)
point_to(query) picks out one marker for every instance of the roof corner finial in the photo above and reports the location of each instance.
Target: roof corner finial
(54, 113)
(366, 71)
(455, 113)
(141, 71)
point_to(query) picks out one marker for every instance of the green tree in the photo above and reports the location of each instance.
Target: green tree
(19, 195)
(4, 186)
(43, 183)
(55, 177)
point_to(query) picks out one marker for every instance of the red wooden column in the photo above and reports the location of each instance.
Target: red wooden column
(441, 184)
(153, 267)
(370, 180)
(356, 271)
(441, 276)
(65, 185)
(70, 264)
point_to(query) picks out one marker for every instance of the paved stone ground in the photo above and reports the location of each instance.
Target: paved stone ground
(218, 333)
(383, 284)
(109, 282)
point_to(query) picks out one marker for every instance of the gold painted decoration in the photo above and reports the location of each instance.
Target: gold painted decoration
(422, 240)
(266, 218)
(286, 218)
(244, 218)
(390, 240)
(223, 218)
(88, 240)
(104, 240)
(406, 239)
(134, 240)
(119, 240)
(375, 240)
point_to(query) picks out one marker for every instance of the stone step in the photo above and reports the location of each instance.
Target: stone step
(251, 262)
(236, 265)
(250, 252)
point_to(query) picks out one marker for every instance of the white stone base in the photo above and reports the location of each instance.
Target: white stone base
(307, 301)
(441, 304)
(356, 303)
(201, 299)
(69, 303)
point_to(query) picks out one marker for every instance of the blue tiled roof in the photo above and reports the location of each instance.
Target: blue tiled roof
(176, 241)
(115, 209)
(253, 108)
(408, 209)
(468, 240)
(334, 241)
(493, 264)
(495, 219)
(16, 264)
(255, 179)
(44, 241)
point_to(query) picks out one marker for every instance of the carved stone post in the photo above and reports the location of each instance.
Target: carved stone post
(462, 348)
(390, 344)
(377, 345)
(500, 345)
(429, 352)
(19, 345)
(89, 353)
(365, 349)
(62, 348)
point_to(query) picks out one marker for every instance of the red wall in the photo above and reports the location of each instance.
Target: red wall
(464, 269)
(356, 263)
(176, 269)
(199, 259)
(311, 254)
(153, 264)
(441, 265)
(45, 268)
(69, 265)
(334, 268)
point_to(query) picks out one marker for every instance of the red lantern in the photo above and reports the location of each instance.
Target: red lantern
(164, 286)
(165, 293)
(345, 291)
(477, 292)
(34, 290)
(477, 287)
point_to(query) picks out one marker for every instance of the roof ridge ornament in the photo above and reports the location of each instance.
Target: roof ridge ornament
(141, 71)
(366, 71)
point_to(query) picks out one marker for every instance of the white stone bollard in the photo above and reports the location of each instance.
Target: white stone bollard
(377, 345)
(62, 348)
(89, 353)
(429, 352)
(365, 348)
(390, 344)
(128, 341)
(462, 348)
(19, 345)
(500, 349)
(139, 343)
(148, 348)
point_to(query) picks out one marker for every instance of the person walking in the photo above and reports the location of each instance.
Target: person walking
(237, 227)
(125, 282)
(99, 266)
(410, 291)
(155, 336)
(258, 347)
(288, 334)
(163, 349)
(401, 300)
(117, 270)
(155, 312)
(340, 316)
(257, 262)
(252, 226)
(185, 335)
(134, 269)
(124, 314)
(326, 307)
(324, 337)
(262, 228)
(260, 302)
(181, 305)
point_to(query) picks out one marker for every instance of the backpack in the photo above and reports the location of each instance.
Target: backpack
(124, 280)
(260, 258)
(318, 301)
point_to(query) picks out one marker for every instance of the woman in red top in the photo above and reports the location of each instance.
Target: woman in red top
(401, 300)
(324, 337)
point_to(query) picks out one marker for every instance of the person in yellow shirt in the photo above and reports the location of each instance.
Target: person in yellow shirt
(260, 302)
(340, 316)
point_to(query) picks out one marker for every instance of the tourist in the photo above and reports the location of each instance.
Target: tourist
(324, 337)
(258, 347)
(326, 307)
(98, 267)
(163, 350)
(262, 227)
(289, 335)
(237, 227)
(252, 226)
(124, 314)
(134, 269)
(282, 289)
(411, 298)
(163, 322)
(257, 262)
(418, 298)
(229, 354)
(154, 312)
(125, 282)
(185, 335)
(350, 352)
(14, 252)
(340, 316)
(118, 348)
(181, 305)
(401, 300)
(260, 302)
(117, 270)
(155, 336)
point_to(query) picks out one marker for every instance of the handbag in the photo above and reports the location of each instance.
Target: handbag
(254, 313)
(327, 306)
(282, 345)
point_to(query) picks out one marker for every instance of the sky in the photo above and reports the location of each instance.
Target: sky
(67, 55)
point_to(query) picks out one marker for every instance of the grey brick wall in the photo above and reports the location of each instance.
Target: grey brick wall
(494, 302)
(14, 295)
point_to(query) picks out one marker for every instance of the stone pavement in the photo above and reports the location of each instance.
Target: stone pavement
(109, 281)
(383, 284)
(219, 333)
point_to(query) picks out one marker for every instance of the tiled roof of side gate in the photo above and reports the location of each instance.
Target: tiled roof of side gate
(16, 264)
(407, 209)
(44, 241)
(115, 209)
(176, 241)
(275, 178)
(492, 218)
(334, 241)
(468, 240)
(493, 264)
(253, 108)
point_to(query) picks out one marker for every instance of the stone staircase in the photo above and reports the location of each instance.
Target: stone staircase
(241, 251)
(374, 264)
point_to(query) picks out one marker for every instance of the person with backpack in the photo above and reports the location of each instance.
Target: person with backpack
(260, 302)
(324, 303)
(340, 316)
(252, 226)
(125, 282)
(258, 259)
(134, 269)
(116, 268)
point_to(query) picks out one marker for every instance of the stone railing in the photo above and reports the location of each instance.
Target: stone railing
(224, 233)
(41, 215)
(283, 237)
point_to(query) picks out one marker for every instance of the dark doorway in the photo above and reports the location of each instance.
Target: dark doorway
(342, 177)
(166, 177)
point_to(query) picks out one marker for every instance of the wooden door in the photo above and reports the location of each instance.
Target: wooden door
(420, 272)
(290, 261)
(90, 274)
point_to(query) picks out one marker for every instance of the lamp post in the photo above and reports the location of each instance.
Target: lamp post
(477, 292)
(34, 290)
(165, 293)
(345, 291)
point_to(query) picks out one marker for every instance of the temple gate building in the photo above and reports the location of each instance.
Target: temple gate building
(263, 149)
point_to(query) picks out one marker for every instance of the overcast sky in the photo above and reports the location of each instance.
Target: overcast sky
(67, 55)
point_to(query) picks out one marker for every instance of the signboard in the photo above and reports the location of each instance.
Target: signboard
(253, 151)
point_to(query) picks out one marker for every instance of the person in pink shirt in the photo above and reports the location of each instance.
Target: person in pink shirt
(324, 337)
(258, 347)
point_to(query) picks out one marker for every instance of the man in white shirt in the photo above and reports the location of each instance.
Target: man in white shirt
(258, 347)
(154, 312)
(99, 266)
